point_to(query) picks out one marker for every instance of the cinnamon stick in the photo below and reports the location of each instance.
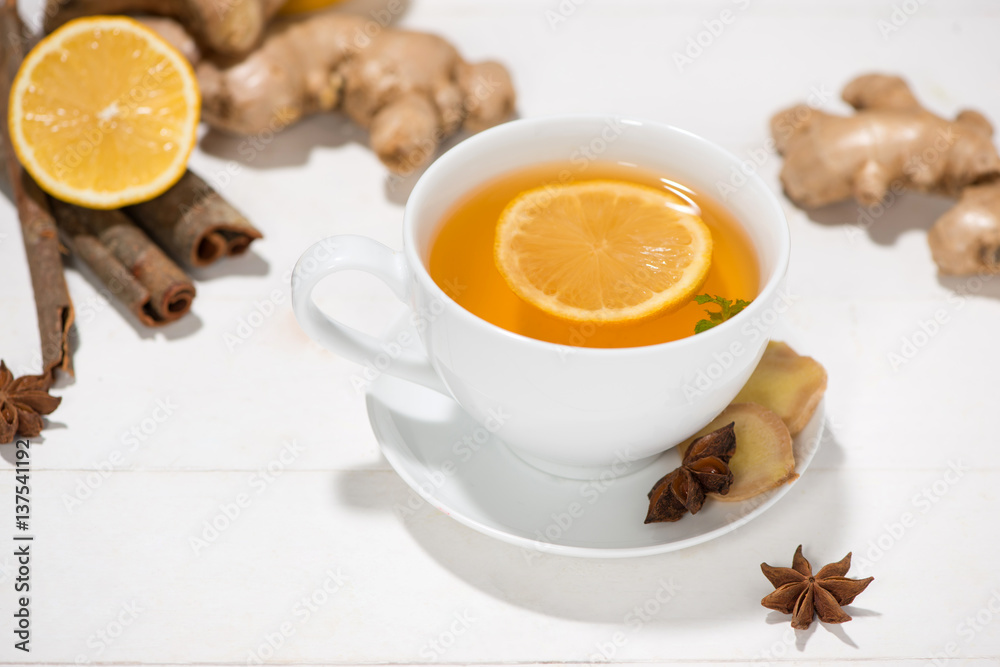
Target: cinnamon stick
(41, 242)
(193, 223)
(129, 264)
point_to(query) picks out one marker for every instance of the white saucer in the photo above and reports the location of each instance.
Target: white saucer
(470, 475)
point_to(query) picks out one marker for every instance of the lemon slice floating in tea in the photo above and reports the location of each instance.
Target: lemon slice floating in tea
(602, 251)
(104, 113)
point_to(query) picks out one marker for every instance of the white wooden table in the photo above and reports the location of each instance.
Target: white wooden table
(164, 432)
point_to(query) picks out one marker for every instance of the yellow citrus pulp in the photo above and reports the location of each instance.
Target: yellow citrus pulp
(104, 113)
(602, 251)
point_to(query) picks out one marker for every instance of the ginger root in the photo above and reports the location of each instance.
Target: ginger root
(966, 239)
(764, 457)
(409, 89)
(174, 34)
(225, 27)
(891, 140)
(786, 383)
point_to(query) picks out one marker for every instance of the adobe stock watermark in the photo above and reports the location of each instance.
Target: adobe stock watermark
(252, 146)
(52, 349)
(272, 302)
(88, 309)
(228, 512)
(752, 330)
(302, 612)
(747, 507)
(920, 168)
(7, 567)
(249, 149)
(921, 502)
(435, 647)
(131, 439)
(93, 305)
(589, 492)
(562, 12)
(927, 329)
(462, 450)
(406, 340)
(263, 309)
(380, 20)
(635, 620)
(712, 29)
(968, 629)
(580, 159)
(901, 14)
(105, 637)
(785, 125)
(777, 651)
(77, 152)
(579, 334)
(363, 35)
(481, 89)
(275, 299)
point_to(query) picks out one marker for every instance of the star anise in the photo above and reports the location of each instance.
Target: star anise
(799, 593)
(22, 403)
(705, 469)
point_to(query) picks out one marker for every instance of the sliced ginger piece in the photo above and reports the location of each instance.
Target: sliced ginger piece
(763, 458)
(786, 383)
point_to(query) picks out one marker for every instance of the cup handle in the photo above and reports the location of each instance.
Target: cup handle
(345, 253)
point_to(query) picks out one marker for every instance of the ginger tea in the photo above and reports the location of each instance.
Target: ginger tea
(462, 264)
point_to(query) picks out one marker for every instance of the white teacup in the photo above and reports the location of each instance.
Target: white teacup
(572, 411)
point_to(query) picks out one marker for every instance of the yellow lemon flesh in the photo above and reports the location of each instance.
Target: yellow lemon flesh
(603, 251)
(104, 113)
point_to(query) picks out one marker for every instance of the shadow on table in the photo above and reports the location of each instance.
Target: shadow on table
(987, 285)
(249, 264)
(292, 146)
(399, 186)
(8, 451)
(289, 147)
(105, 302)
(685, 589)
(884, 224)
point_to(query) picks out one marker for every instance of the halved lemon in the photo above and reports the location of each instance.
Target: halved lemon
(603, 251)
(104, 113)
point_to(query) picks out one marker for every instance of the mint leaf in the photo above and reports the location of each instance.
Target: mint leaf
(703, 325)
(727, 309)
